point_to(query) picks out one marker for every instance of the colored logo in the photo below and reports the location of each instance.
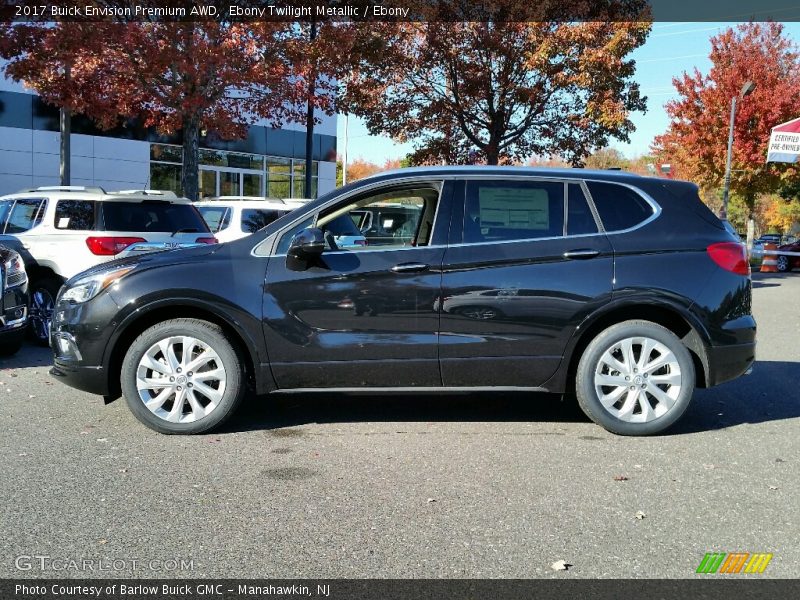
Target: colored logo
(734, 562)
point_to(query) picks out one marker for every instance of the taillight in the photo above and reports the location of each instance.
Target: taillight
(206, 240)
(731, 256)
(109, 245)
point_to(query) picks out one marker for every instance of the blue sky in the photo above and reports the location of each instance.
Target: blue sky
(671, 49)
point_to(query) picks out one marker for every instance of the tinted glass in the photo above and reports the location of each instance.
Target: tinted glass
(286, 238)
(254, 219)
(343, 225)
(619, 207)
(24, 215)
(5, 208)
(502, 211)
(152, 216)
(217, 217)
(579, 216)
(75, 214)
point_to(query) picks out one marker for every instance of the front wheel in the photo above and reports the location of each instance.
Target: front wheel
(783, 264)
(182, 376)
(43, 299)
(635, 378)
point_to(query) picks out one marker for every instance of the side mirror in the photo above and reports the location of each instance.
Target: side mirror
(305, 246)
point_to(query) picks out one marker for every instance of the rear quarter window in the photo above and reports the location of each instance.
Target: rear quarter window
(254, 219)
(75, 215)
(618, 206)
(152, 216)
(25, 214)
(216, 217)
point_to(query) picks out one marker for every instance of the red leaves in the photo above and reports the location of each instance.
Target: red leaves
(696, 142)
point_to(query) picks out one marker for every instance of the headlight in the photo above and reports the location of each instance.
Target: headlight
(88, 287)
(15, 271)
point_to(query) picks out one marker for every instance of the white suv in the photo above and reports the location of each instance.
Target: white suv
(68, 229)
(231, 218)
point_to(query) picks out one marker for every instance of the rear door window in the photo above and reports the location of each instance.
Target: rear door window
(153, 216)
(254, 219)
(75, 215)
(25, 214)
(619, 206)
(499, 211)
(216, 217)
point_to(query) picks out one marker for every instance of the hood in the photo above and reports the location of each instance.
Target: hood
(154, 259)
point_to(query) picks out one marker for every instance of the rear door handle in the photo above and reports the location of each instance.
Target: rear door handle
(410, 267)
(581, 254)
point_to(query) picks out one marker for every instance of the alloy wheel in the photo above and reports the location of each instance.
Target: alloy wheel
(41, 313)
(181, 379)
(638, 379)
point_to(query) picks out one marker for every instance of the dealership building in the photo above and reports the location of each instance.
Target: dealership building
(269, 162)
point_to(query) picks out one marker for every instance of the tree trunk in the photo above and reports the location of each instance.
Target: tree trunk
(492, 155)
(312, 84)
(190, 173)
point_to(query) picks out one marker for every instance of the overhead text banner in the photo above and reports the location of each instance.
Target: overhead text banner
(401, 10)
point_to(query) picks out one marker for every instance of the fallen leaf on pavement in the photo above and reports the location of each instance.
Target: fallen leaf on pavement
(640, 515)
(560, 565)
(620, 478)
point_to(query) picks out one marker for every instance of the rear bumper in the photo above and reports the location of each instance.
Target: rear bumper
(729, 362)
(86, 379)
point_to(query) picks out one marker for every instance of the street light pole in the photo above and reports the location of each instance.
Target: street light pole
(747, 88)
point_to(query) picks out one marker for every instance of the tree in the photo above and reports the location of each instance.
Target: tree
(212, 76)
(695, 143)
(606, 158)
(492, 90)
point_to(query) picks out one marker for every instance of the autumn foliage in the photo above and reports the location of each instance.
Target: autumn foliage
(696, 142)
(498, 91)
(213, 76)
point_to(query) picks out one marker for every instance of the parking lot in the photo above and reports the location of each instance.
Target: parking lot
(487, 485)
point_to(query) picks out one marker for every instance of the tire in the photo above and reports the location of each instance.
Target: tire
(206, 401)
(783, 264)
(43, 294)
(11, 343)
(633, 407)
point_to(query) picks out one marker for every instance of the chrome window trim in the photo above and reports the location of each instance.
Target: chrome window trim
(443, 178)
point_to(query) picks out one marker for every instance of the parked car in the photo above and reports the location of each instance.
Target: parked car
(787, 262)
(231, 219)
(388, 223)
(13, 301)
(67, 229)
(634, 295)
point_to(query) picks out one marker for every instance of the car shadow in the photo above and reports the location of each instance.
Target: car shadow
(764, 280)
(30, 355)
(769, 394)
(277, 411)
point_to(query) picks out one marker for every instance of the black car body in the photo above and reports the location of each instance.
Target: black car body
(604, 270)
(13, 300)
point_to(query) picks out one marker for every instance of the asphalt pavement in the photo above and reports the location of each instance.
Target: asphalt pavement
(454, 486)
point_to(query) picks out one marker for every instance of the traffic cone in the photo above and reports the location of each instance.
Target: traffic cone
(769, 264)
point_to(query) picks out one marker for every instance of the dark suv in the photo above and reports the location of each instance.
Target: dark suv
(625, 290)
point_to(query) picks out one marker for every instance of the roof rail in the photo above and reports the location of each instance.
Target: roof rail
(63, 188)
(163, 193)
(257, 198)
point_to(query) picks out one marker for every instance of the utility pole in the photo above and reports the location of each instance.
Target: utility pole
(65, 128)
(312, 84)
(747, 89)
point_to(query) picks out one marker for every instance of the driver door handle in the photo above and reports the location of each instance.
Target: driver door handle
(582, 254)
(411, 267)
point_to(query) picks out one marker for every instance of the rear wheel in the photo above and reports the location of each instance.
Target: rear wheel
(783, 264)
(182, 376)
(43, 294)
(635, 378)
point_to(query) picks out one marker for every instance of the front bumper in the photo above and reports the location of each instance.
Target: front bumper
(87, 379)
(729, 362)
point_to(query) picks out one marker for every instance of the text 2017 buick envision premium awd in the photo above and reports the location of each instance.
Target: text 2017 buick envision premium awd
(625, 290)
